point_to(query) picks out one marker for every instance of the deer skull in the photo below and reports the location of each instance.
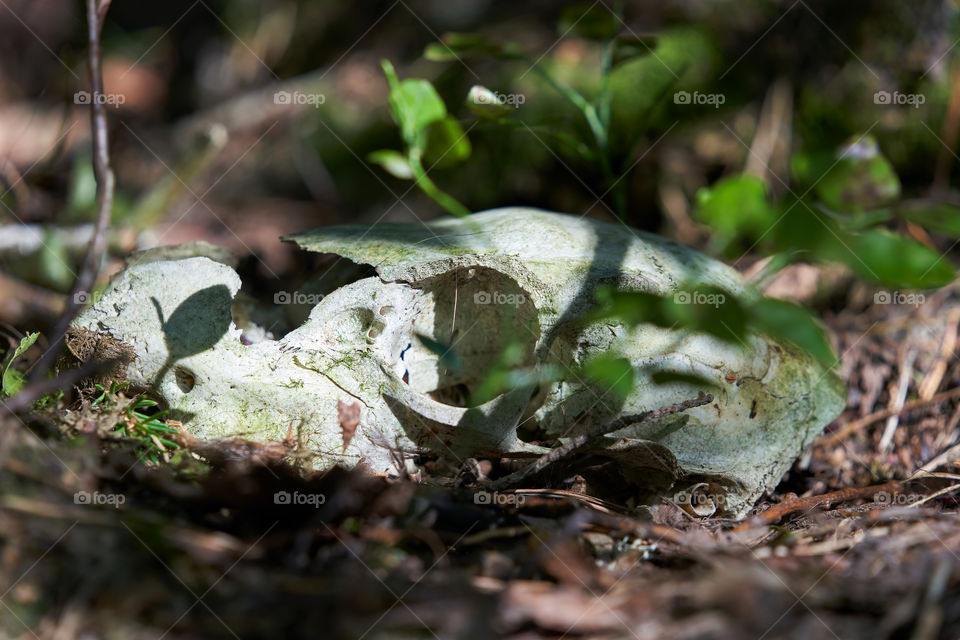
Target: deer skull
(512, 280)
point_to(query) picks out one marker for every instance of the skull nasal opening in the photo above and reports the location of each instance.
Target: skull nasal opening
(476, 322)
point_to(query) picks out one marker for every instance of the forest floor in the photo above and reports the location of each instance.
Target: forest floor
(852, 544)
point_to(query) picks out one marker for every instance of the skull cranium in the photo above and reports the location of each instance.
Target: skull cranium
(512, 284)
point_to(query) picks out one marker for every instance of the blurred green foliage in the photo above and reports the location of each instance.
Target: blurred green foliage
(847, 199)
(11, 379)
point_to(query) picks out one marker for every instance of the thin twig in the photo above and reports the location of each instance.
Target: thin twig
(102, 7)
(899, 397)
(592, 435)
(90, 268)
(779, 511)
(770, 148)
(937, 494)
(952, 454)
(935, 375)
(585, 500)
(856, 425)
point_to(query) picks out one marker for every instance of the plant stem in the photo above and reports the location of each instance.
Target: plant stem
(444, 199)
(598, 119)
(617, 182)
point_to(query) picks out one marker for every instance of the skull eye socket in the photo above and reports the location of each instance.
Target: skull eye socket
(476, 325)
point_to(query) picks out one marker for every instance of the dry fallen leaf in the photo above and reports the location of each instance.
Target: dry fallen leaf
(349, 417)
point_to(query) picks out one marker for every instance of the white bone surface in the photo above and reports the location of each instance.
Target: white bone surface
(474, 283)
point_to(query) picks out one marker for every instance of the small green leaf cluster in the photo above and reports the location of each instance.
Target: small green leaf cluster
(431, 137)
(137, 421)
(840, 211)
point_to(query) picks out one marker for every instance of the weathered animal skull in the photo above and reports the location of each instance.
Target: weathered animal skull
(516, 280)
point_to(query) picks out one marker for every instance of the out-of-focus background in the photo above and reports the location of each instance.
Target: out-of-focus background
(203, 149)
(815, 134)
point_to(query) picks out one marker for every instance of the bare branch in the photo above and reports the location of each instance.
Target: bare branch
(96, 13)
(583, 439)
(102, 7)
(25, 398)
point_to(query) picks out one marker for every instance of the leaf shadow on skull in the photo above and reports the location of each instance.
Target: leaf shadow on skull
(475, 434)
(196, 325)
(609, 253)
(606, 269)
(638, 460)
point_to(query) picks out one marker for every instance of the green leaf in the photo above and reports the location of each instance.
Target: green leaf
(709, 310)
(629, 47)
(807, 167)
(392, 80)
(860, 220)
(629, 307)
(788, 321)
(695, 307)
(415, 104)
(448, 358)
(589, 20)
(393, 162)
(82, 191)
(501, 380)
(612, 373)
(638, 87)
(891, 259)
(938, 217)
(803, 228)
(862, 179)
(721, 314)
(734, 207)
(447, 144)
(12, 380)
